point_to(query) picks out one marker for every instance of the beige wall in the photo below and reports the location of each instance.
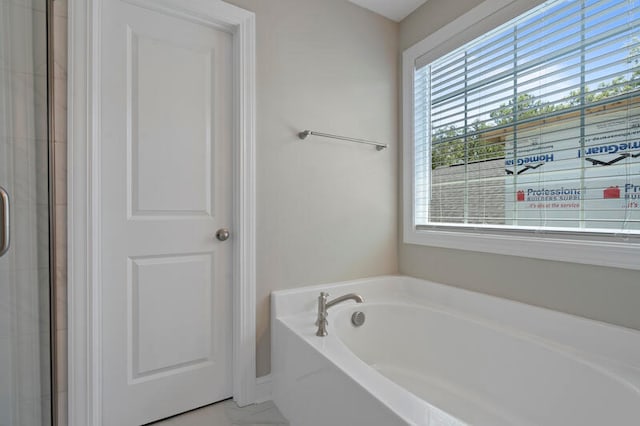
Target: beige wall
(326, 209)
(430, 17)
(606, 294)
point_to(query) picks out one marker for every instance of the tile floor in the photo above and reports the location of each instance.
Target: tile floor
(227, 413)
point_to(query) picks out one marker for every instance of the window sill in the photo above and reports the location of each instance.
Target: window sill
(585, 251)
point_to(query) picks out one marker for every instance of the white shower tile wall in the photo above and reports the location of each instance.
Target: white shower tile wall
(60, 178)
(24, 337)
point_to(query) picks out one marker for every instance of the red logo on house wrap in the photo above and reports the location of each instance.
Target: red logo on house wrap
(520, 195)
(611, 192)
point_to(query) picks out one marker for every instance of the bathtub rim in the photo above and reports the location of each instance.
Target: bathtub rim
(611, 343)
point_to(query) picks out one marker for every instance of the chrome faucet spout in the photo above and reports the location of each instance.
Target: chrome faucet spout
(323, 305)
(350, 296)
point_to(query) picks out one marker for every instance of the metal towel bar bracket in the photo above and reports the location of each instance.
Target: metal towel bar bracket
(306, 133)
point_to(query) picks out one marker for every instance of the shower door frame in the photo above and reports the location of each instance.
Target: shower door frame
(53, 276)
(84, 346)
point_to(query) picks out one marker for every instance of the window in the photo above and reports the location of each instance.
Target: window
(531, 130)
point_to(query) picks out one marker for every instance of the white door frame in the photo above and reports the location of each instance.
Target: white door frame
(84, 239)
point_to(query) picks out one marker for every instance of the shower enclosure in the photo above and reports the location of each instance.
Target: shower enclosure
(25, 320)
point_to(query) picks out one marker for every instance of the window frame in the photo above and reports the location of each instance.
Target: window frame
(577, 247)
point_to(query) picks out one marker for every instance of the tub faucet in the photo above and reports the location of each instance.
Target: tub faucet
(323, 305)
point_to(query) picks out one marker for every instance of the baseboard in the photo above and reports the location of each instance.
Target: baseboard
(263, 389)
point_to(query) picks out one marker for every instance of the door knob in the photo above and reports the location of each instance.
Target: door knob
(223, 234)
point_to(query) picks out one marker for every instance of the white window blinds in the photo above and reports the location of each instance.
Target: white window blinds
(535, 125)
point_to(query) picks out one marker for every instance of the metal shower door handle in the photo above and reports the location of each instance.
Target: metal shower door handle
(4, 232)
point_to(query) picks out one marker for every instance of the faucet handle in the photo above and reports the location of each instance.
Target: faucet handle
(322, 308)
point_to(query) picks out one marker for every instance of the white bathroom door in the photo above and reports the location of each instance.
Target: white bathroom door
(165, 189)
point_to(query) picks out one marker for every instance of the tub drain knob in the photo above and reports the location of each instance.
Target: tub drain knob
(357, 319)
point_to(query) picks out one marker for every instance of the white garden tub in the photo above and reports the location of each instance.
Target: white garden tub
(430, 354)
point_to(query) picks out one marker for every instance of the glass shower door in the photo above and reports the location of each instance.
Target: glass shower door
(25, 361)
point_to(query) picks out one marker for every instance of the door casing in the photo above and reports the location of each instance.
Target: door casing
(84, 238)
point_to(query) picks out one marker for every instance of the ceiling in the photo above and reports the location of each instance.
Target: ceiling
(392, 9)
